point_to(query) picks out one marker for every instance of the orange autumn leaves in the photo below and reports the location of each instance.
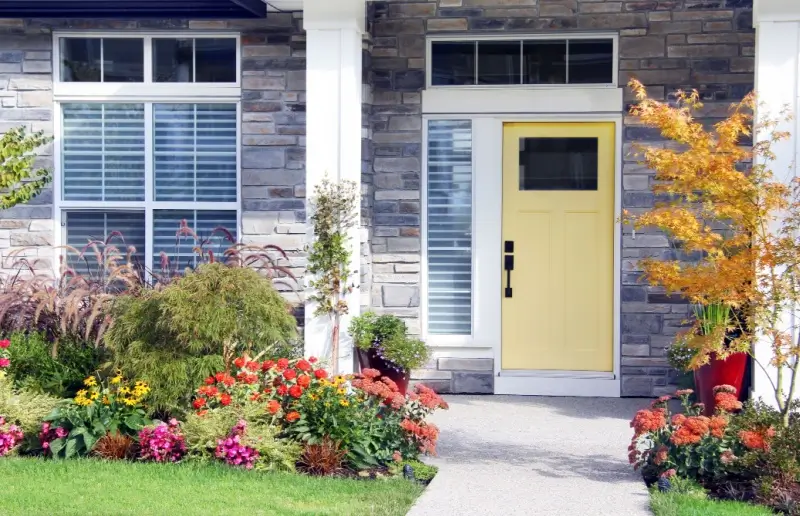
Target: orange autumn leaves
(717, 201)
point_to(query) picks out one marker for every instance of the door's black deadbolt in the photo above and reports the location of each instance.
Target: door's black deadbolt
(508, 265)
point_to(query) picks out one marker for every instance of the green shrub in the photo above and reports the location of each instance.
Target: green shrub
(203, 431)
(422, 471)
(34, 368)
(197, 325)
(369, 328)
(22, 407)
(405, 352)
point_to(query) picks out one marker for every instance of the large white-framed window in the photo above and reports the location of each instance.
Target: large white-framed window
(448, 244)
(527, 61)
(147, 130)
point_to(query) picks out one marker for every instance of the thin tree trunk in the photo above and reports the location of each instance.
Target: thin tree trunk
(335, 344)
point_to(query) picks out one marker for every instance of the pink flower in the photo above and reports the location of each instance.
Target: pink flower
(4, 343)
(4, 362)
(162, 443)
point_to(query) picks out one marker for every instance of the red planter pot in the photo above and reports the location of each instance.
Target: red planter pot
(719, 372)
(369, 359)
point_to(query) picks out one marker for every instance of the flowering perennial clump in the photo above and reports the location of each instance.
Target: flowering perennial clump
(10, 436)
(48, 434)
(233, 452)
(162, 443)
(113, 392)
(5, 361)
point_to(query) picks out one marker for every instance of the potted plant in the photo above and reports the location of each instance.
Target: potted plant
(383, 343)
(714, 331)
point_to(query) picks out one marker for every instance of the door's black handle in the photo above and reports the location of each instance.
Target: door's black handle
(509, 266)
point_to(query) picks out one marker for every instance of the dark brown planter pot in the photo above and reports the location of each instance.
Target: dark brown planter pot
(369, 359)
(719, 372)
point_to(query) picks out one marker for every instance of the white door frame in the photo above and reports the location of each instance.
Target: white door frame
(487, 127)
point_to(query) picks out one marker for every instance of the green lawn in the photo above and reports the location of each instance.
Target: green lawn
(674, 504)
(34, 487)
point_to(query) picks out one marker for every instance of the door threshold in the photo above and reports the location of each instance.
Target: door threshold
(529, 385)
(551, 373)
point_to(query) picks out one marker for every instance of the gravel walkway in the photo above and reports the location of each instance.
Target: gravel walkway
(534, 455)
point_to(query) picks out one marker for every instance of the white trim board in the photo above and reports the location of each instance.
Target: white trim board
(564, 100)
(544, 386)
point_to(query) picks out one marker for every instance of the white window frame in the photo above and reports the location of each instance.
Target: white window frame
(147, 93)
(521, 38)
(440, 339)
(148, 88)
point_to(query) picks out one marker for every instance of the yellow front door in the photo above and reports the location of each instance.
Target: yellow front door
(558, 229)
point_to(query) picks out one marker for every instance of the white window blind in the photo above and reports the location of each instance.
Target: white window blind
(195, 152)
(83, 227)
(215, 229)
(449, 227)
(103, 152)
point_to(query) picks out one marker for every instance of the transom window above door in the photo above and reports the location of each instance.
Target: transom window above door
(531, 61)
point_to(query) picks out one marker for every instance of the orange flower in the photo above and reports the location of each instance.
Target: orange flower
(199, 402)
(239, 362)
(678, 419)
(684, 392)
(717, 426)
(757, 439)
(648, 421)
(303, 365)
(304, 381)
(292, 416)
(370, 373)
(692, 431)
(727, 402)
(253, 365)
(225, 399)
(273, 406)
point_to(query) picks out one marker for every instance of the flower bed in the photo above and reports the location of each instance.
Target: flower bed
(741, 453)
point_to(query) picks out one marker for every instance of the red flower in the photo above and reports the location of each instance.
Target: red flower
(266, 366)
(292, 416)
(199, 402)
(228, 380)
(253, 365)
(273, 406)
(250, 378)
(283, 363)
(239, 362)
(282, 390)
(255, 396)
(210, 380)
(321, 373)
(304, 365)
(225, 399)
(5, 343)
(304, 381)
(219, 376)
(202, 413)
(290, 374)
(295, 391)
(313, 360)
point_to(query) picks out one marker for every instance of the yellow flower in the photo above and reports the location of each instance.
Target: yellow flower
(106, 401)
(327, 404)
(82, 401)
(94, 395)
(124, 390)
(313, 397)
(90, 381)
(81, 393)
(131, 401)
(117, 379)
(341, 392)
(344, 403)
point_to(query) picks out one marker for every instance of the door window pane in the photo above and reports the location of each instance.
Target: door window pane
(103, 152)
(591, 61)
(174, 250)
(123, 60)
(83, 227)
(215, 59)
(173, 60)
(558, 163)
(195, 152)
(80, 59)
(544, 62)
(499, 62)
(449, 227)
(452, 64)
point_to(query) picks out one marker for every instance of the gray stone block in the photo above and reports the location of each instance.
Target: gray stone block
(398, 296)
(473, 383)
(466, 364)
(636, 386)
(642, 323)
(256, 158)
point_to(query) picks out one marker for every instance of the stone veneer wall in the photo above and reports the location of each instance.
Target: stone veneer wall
(273, 123)
(667, 44)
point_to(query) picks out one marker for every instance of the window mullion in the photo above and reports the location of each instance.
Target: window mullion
(149, 155)
(148, 60)
(148, 239)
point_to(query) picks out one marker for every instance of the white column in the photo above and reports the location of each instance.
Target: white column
(777, 24)
(334, 33)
